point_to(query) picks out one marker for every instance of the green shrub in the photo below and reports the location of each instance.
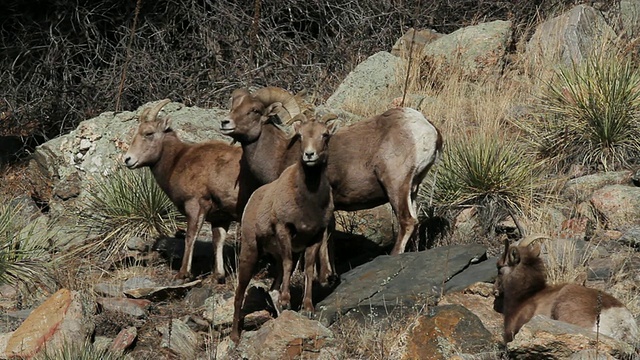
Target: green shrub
(23, 249)
(124, 205)
(590, 115)
(73, 351)
(483, 170)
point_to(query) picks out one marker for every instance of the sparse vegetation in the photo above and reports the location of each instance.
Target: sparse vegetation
(72, 351)
(124, 205)
(591, 115)
(24, 258)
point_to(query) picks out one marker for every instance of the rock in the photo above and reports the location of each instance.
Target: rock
(26, 207)
(447, 330)
(581, 188)
(257, 307)
(180, 339)
(137, 243)
(4, 340)
(372, 80)
(132, 307)
(484, 271)
(138, 282)
(289, 336)
(8, 297)
(544, 338)
(161, 292)
(124, 339)
(618, 204)
(568, 38)
(631, 237)
(630, 18)
(197, 297)
(108, 289)
(477, 51)
(479, 299)
(377, 224)
(419, 39)
(68, 187)
(400, 280)
(11, 320)
(64, 318)
(581, 228)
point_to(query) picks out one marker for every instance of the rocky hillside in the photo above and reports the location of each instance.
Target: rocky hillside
(432, 304)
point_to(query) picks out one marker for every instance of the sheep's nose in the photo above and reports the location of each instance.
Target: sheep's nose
(127, 160)
(224, 122)
(309, 154)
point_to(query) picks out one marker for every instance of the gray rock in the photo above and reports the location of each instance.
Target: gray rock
(372, 80)
(568, 38)
(138, 282)
(543, 338)
(619, 205)
(478, 50)
(485, 271)
(631, 237)
(180, 339)
(401, 280)
(581, 188)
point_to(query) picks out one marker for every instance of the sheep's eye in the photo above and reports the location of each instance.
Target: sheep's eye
(148, 135)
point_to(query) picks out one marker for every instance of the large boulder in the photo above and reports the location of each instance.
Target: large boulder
(375, 288)
(371, 82)
(618, 204)
(478, 50)
(568, 38)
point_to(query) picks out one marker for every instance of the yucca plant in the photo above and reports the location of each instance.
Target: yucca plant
(590, 114)
(483, 170)
(23, 249)
(124, 205)
(75, 351)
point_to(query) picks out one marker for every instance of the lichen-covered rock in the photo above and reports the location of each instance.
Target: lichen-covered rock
(618, 204)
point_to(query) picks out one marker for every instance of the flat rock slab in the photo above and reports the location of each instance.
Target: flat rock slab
(407, 279)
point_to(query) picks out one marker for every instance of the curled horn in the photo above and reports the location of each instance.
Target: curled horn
(153, 112)
(272, 94)
(531, 239)
(328, 117)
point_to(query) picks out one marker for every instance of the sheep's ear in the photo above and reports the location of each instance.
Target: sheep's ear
(535, 248)
(332, 126)
(296, 125)
(272, 110)
(165, 123)
(514, 256)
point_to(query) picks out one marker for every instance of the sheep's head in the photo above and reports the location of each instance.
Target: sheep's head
(314, 137)
(146, 146)
(520, 266)
(249, 111)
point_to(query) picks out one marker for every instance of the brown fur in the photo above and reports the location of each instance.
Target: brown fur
(371, 162)
(290, 214)
(522, 287)
(202, 180)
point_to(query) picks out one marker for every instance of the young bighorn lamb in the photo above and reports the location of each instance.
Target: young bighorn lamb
(372, 162)
(203, 180)
(288, 215)
(522, 285)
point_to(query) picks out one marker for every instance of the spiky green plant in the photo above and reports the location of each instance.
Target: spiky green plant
(124, 205)
(23, 249)
(496, 175)
(75, 351)
(590, 114)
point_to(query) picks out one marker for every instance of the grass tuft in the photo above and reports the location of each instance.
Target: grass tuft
(591, 115)
(73, 351)
(124, 205)
(24, 258)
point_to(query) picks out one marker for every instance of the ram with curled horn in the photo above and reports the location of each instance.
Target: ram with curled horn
(200, 179)
(378, 160)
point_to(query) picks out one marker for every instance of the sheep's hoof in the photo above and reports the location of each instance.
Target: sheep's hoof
(307, 313)
(220, 279)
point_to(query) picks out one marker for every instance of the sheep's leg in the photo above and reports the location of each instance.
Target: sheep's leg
(326, 256)
(195, 219)
(404, 207)
(310, 255)
(246, 261)
(219, 236)
(284, 240)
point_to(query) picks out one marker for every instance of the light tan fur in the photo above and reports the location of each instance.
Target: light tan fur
(522, 289)
(289, 215)
(372, 162)
(203, 180)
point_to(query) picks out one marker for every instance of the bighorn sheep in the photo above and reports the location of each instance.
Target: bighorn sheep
(288, 215)
(525, 293)
(203, 180)
(378, 160)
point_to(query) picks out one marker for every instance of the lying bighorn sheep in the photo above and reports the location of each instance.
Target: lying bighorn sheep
(290, 214)
(372, 162)
(202, 180)
(525, 293)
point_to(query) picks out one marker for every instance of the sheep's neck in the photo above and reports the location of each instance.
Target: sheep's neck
(523, 285)
(270, 154)
(313, 185)
(172, 148)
